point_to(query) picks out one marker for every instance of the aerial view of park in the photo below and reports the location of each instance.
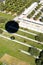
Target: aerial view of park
(21, 32)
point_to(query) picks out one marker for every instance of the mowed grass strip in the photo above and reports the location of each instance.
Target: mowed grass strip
(19, 46)
(23, 34)
(26, 34)
(32, 31)
(11, 48)
(37, 45)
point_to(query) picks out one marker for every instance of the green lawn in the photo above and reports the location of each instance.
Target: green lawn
(37, 45)
(7, 16)
(31, 14)
(37, 16)
(32, 31)
(26, 34)
(11, 48)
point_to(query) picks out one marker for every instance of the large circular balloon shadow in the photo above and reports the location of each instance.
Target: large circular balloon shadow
(11, 26)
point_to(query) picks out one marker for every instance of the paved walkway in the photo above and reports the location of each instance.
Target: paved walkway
(31, 24)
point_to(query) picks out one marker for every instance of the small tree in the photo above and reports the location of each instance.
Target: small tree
(39, 61)
(39, 37)
(24, 41)
(12, 37)
(1, 63)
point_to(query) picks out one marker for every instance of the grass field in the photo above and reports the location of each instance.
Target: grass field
(12, 48)
(12, 60)
(37, 45)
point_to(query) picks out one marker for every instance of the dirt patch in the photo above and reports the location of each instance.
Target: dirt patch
(12, 60)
